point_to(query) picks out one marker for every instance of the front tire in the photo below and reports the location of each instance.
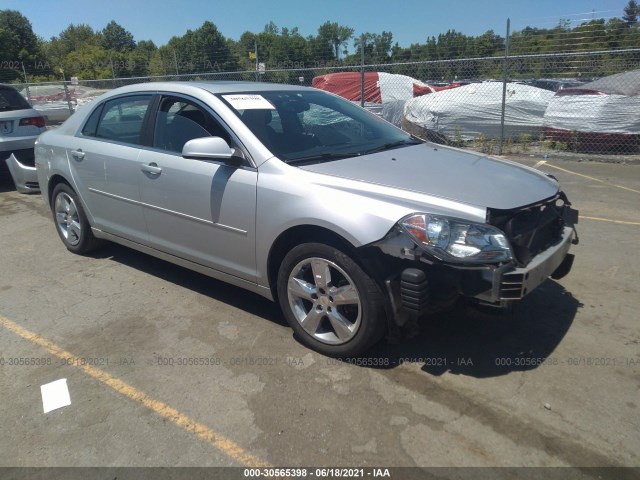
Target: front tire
(332, 304)
(71, 222)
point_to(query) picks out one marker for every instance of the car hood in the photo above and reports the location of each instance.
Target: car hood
(448, 173)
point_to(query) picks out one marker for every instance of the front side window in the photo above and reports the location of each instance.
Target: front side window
(121, 119)
(311, 126)
(179, 121)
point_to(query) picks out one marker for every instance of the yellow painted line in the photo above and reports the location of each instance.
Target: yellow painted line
(593, 178)
(609, 220)
(225, 445)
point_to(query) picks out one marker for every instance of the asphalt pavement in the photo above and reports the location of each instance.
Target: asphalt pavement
(166, 367)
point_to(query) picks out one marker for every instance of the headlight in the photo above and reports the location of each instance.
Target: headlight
(456, 240)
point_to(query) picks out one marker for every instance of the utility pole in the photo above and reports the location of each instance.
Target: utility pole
(505, 75)
(362, 70)
(26, 82)
(255, 51)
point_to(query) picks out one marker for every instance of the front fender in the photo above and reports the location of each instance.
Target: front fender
(359, 212)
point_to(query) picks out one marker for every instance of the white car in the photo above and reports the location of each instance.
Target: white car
(20, 126)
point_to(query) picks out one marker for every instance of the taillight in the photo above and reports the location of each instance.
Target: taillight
(35, 121)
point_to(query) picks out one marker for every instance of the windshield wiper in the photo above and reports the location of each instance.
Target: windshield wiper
(322, 157)
(389, 146)
(327, 157)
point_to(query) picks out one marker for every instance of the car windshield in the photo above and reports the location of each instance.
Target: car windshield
(313, 126)
(10, 99)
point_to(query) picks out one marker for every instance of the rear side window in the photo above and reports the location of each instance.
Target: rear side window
(90, 127)
(121, 119)
(10, 99)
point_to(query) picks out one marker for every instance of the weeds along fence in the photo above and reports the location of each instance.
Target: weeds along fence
(518, 100)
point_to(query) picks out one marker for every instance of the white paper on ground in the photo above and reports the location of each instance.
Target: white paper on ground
(55, 395)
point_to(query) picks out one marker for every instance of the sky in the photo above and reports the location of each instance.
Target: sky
(410, 21)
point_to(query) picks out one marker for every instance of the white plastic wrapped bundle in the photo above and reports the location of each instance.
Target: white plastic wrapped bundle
(475, 109)
(610, 105)
(393, 112)
(595, 113)
(395, 87)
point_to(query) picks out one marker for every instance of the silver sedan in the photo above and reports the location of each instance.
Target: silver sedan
(356, 228)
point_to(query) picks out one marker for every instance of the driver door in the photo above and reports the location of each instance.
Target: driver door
(203, 211)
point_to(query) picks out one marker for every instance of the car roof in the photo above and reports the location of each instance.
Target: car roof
(215, 87)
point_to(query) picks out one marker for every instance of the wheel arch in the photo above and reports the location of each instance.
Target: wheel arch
(298, 235)
(305, 234)
(308, 233)
(54, 181)
(57, 179)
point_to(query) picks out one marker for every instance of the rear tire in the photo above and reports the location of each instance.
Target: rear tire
(330, 302)
(71, 222)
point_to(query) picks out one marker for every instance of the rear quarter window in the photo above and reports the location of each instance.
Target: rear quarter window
(89, 129)
(10, 99)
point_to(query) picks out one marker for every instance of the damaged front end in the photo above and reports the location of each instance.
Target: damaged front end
(427, 261)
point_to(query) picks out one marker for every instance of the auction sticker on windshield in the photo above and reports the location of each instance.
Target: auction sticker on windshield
(248, 102)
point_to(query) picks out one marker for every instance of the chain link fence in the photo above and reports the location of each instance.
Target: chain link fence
(519, 100)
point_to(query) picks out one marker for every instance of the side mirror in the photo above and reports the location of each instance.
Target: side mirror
(207, 148)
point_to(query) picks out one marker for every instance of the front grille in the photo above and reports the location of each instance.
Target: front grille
(532, 229)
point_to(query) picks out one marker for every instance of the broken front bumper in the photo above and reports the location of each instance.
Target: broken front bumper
(25, 177)
(513, 283)
(413, 289)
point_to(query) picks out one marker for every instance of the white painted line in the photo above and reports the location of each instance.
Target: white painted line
(595, 179)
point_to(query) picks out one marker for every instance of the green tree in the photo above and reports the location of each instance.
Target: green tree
(453, 45)
(377, 46)
(139, 59)
(488, 44)
(201, 50)
(115, 37)
(18, 43)
(631, 12)
(89, 62)
(71, 39)
(336, 36)
(18, 39)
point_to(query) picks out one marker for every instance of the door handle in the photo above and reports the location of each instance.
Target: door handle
(152, 168)
(77, 154)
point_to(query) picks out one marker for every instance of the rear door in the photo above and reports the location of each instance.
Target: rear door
(106, 166)
(200, 210)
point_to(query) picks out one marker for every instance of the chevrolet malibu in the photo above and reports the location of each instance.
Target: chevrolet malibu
(355, 227)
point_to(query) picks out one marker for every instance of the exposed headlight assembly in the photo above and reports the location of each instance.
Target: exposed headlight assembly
(456, 240)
